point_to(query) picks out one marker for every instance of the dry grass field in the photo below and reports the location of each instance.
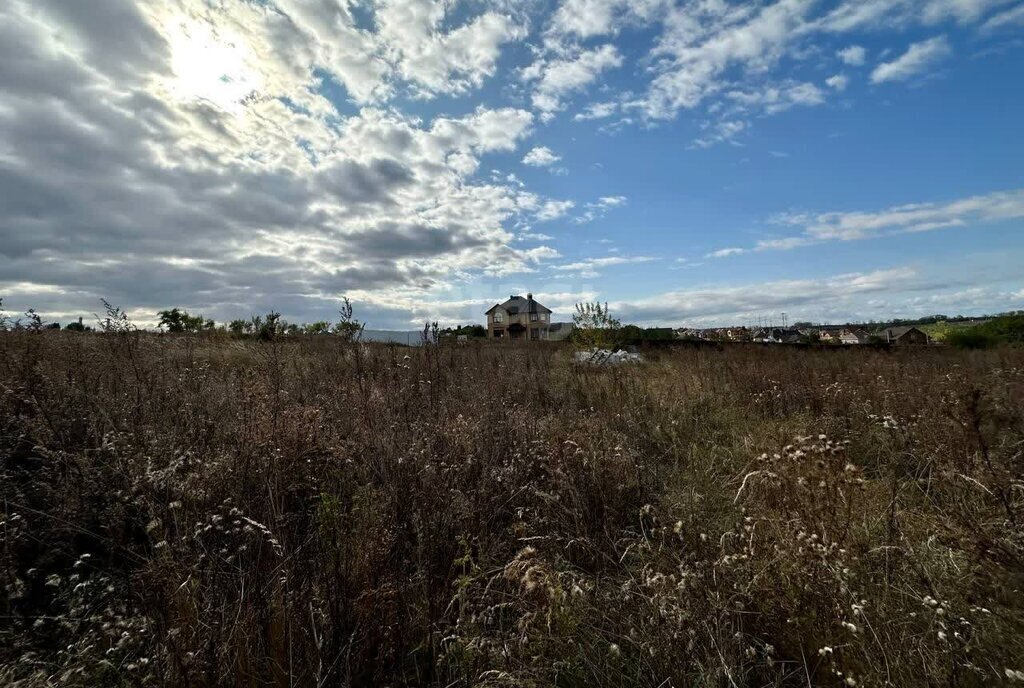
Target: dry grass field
(190, 511)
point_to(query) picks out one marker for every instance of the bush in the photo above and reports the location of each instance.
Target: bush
(971, 338)
(1008, 329)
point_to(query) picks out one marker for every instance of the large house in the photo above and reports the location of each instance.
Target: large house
(518, 318)
(903, 336)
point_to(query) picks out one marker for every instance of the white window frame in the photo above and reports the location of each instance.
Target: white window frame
(499, 317)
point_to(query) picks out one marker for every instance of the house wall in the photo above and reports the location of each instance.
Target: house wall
(540, 325)
(913, 337)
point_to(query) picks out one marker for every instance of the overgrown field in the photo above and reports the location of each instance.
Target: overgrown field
(203, 512)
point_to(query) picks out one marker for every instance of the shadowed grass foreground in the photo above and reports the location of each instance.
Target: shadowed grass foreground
(206, 512)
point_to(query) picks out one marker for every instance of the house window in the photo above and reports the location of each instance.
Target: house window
(499, 317)
(533, 316)
(543, 316)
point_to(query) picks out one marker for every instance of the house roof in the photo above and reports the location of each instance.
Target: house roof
(896, 332)
(518, 304)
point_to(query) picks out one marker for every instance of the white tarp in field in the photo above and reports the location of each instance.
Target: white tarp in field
(606, 357)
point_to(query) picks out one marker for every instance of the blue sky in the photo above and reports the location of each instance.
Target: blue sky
(692, 163)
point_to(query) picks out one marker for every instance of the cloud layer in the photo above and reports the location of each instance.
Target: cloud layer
(230, 157)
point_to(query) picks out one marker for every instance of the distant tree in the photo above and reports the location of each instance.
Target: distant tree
(179, 320)
(1005, 329)
(269, 327)
(348, 328)
(53, 326)
(470, 331)
(594, 327)
(971, 338)
(318, 327)
(237, 326)
(75, 326)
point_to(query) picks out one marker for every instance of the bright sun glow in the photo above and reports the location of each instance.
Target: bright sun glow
(213, 67)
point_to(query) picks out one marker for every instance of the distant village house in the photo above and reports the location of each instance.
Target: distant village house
(778, 335)
(519, 318)
(903, 336)
(853, 336)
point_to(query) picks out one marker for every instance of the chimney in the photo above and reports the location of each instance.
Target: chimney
(529, 296)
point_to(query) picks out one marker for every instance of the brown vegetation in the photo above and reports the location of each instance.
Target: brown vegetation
(184, 510)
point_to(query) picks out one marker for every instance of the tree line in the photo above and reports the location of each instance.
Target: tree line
(180, 321)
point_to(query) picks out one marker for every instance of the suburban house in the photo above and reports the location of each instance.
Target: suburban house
(902, 336)
(518, 318)
(853, 336)
(778, 335)
(830, 335)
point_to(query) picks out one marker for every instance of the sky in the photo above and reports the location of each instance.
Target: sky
(691, 163)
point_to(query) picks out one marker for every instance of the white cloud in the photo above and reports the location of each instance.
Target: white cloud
(540, 253)
(1003, 205)
(707, 51)
(600, 208)
(911, 218)
(775, 99)
(702, 40)
(736, 304)
(1011, 17)
(541, 156)
(963, 11)
(533, 236)
(552, 210)
(586, 18)
(724, 252)
(590, 18)
(589, 267)
(597, 111)
(851, 297)
(253, 154)
(917, 59)
(719, 132)
(917, 217)
(838, 82)
(557, 78)
(855, 55)
(435, 61)
(234, 187)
